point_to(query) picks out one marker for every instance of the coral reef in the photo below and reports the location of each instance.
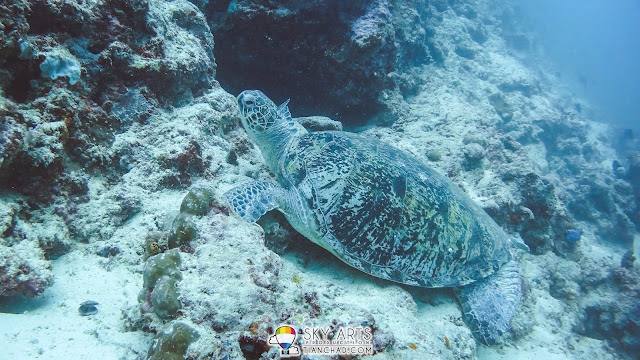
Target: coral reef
(57, 64)
(502, 108)
(25, 247)
(110, 111)
(634, 178)
(253, 341)
(616, 320)
(23, 270)
(355, 50)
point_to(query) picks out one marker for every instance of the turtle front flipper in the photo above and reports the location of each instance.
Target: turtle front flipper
(489, 304)
(253, 199)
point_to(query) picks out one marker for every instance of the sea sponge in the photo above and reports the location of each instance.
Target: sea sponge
(173, 345)
(160, 293)
(434, 155)
(61, 63)
(164, 297)
(197, 201)
(165, 264)
(182, 231)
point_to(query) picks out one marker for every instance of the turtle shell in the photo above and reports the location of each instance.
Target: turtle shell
(388, 214)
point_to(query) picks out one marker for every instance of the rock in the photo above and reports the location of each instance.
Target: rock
(319, 123)
(88, 308)
(634, 172)
(23, 270)
(628, 259)
(173, 343)
(503, 109)
(159, 293)
(359, 45)
(466, 50)
(473, 154)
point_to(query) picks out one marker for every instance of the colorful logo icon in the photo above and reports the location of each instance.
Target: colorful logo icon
(284, 337)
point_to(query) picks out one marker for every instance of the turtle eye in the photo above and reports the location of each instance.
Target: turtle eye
(248, 102)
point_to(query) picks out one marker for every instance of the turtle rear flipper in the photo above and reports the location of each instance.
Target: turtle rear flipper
(253, 199)
(489, 304)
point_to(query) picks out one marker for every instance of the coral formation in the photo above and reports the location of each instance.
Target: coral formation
(473, 154)
(359, 49)
(502, 108)
(23, 271)
(164, 297)
(25, 248)
(197, 201)
(160, 293)
(173, 344)
(58, 64)
(253, 341)
(634, 178)
(434, 155)
(182, 231)
(615, 320)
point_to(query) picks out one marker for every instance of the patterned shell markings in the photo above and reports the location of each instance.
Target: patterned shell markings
(386, 214)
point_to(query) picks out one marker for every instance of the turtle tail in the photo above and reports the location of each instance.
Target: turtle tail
(488, 305)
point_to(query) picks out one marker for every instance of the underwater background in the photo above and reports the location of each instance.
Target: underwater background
(120, 131)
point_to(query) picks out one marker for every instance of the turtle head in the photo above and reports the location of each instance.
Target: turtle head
(258, 112)
(268, 126)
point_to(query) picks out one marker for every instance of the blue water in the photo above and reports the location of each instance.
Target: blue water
(595, 45)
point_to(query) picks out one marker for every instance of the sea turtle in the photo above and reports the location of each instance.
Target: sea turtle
(381, 211)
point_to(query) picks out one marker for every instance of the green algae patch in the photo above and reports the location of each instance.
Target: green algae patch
(160, 293)
(173, 344)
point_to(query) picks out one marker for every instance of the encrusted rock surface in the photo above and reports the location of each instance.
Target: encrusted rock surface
(94, 167)
(359, 51)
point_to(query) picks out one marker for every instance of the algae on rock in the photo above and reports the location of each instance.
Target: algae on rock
(173, 344)
(197, 201)
(182, 231)
(159, 293)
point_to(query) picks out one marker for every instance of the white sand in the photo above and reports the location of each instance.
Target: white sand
(50, 327)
